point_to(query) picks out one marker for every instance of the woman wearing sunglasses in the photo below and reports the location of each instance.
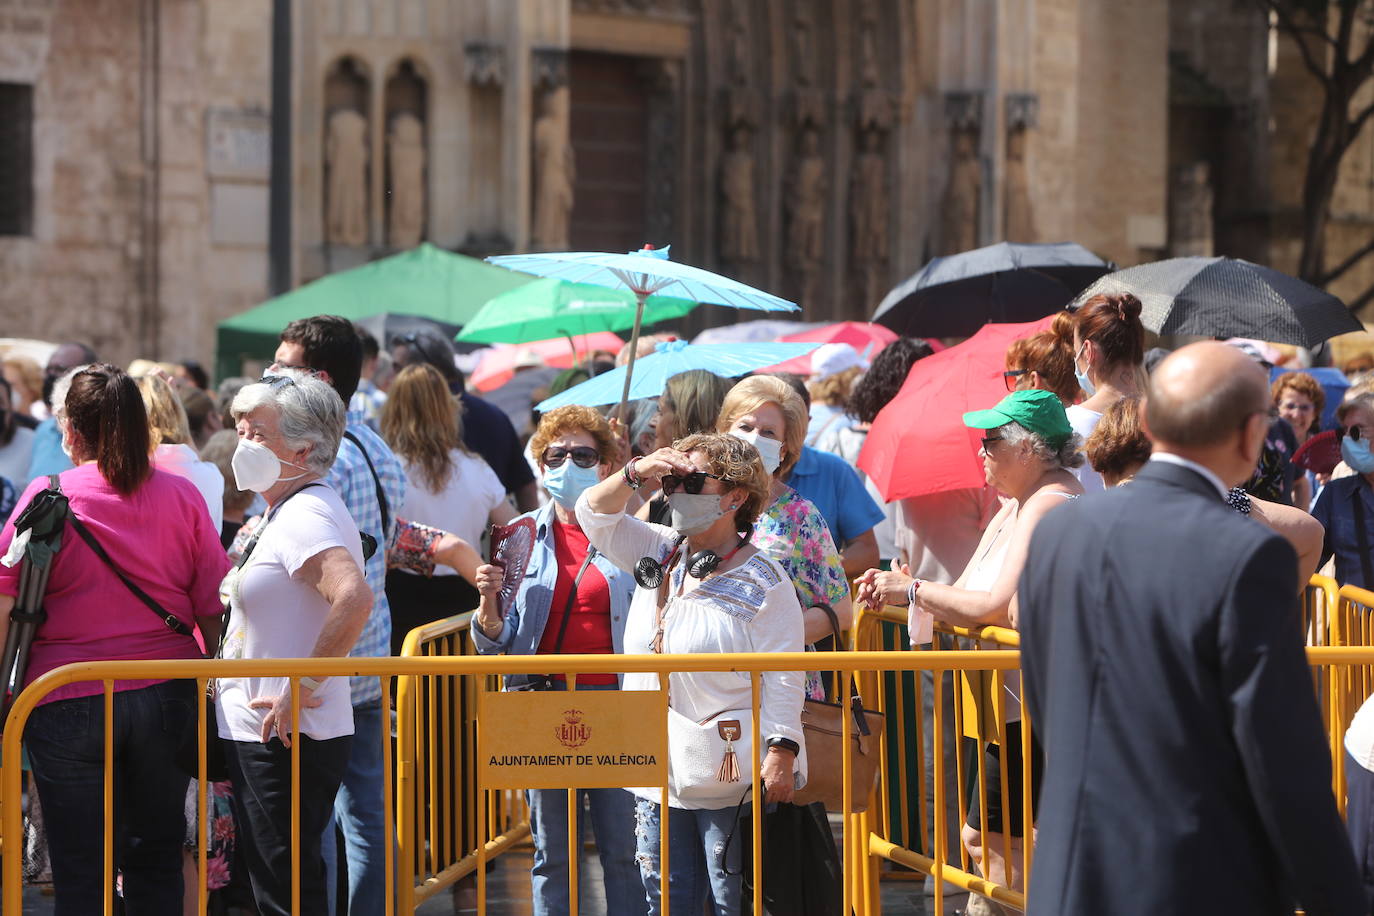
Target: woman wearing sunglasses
(447, 487)
(572, 601)
(704, 588)
(1045, 361)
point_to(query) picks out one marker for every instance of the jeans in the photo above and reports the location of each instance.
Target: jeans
(261, 775)
(1359, 820)
(66, 745)
(360, 813)
(696, 850)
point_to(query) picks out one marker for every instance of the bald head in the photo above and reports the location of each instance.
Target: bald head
(1202, 394)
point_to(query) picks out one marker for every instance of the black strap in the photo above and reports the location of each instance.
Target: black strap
(1366, 562)
(376, 481)
(257, 532)
(572, 597)
(168, 620)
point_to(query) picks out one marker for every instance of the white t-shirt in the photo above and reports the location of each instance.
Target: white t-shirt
(1084, 421)
(183, 461)
(461, 507)
(274, 615)
(1359, 737)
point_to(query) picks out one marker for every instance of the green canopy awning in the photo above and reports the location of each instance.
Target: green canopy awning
(425, 281)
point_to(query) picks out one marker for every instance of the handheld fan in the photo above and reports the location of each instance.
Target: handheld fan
(511, 546)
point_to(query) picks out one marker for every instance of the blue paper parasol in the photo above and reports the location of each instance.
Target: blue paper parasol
(670, 359)
(644, 273)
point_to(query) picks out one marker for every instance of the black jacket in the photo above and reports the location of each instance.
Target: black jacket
(1187, 767)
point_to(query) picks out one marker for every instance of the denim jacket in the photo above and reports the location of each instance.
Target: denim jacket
(524, 625)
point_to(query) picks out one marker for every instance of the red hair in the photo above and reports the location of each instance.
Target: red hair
(1050, 353)
(1113, 323)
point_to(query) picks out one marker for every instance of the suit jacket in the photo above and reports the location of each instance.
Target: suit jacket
(1187, 769)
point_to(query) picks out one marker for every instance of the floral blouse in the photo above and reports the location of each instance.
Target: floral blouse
(793, 532)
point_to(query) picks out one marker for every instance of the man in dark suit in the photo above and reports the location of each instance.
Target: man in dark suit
(1187, 769)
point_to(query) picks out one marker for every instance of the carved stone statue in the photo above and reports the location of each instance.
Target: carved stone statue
(1190, 212)
(345, 153)
(737, 40)
(1017, 216)
(869, 212)
(739, 230)
(959, 219)
(406, 158)
(804, 43)
(554, 173)
(806, 212)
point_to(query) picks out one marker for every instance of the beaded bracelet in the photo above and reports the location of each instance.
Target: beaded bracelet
(631, 478)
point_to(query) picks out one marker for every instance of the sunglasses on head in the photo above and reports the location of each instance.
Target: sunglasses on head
(277, 381)
(690, 483)
(582, 456)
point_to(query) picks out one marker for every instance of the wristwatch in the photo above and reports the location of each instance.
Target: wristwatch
(786, 744)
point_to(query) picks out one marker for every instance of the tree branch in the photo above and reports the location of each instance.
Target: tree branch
(1357, 123)
(1366, 297)
(1354, 258)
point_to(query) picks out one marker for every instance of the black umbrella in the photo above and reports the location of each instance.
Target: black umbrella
(954, 296)
(1227, 297)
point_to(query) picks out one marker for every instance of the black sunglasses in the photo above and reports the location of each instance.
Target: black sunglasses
(1013, 376)
(1352, 431)
(582, 456)
(690, 483)
(988, 440)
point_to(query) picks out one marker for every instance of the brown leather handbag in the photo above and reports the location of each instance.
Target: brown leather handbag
(823, 728)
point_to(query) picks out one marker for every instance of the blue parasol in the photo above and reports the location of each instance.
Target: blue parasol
(670, 359)
(644, 273)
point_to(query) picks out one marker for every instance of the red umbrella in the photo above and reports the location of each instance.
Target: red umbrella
(918, 444)
(864, 336)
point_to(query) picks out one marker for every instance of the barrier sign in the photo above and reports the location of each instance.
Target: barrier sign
(587, 739)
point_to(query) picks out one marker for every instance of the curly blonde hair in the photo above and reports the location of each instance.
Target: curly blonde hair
(573, 418)
(738, 464)
(835, 389)
(758, 390)
(1306, 386)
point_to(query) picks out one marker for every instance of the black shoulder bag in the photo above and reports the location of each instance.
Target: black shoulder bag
(545, 681)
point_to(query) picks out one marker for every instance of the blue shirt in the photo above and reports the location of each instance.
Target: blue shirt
(837, 492)
(353, 481)
(47, 457)
(1336, 510)
(523, 627)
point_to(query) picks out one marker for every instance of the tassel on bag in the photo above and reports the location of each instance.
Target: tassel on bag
(729, 729)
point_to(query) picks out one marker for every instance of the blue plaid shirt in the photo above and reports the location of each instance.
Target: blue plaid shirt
(353, 481)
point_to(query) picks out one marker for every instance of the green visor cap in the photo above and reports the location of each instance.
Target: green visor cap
(1041, 412)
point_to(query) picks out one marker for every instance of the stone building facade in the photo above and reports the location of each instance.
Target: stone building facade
(821, 149)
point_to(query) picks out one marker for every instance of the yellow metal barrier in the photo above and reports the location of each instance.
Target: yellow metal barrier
(436, 757)
(476, 670)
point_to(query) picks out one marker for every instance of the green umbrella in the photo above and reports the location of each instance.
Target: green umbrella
(425, 281)
(550, 308)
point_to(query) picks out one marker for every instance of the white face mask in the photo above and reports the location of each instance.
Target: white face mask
(770, 450)
(693, 513)
(257, 467)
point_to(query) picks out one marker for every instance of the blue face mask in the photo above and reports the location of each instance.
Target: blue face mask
(566, 482)
(1355, 452)
(1089, 389)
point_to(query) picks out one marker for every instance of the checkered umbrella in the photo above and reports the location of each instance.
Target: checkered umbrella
(1228, 297)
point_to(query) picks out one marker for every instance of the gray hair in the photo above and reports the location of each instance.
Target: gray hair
(60, 389)
(1363, 399)
(1069, 455)
(310, 412)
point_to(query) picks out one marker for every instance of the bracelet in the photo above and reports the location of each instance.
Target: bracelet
(311, 683)
(631, 478)
(786, 744)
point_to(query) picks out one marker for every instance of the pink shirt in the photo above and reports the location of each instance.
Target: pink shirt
(160, 537)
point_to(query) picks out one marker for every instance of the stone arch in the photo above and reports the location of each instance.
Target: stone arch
(406, 106)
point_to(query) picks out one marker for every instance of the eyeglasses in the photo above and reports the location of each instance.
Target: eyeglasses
(988, 440)
(582, 456)
(1013, 377)
(690, 483)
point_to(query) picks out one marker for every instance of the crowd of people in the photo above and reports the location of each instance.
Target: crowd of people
(1143, 522)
